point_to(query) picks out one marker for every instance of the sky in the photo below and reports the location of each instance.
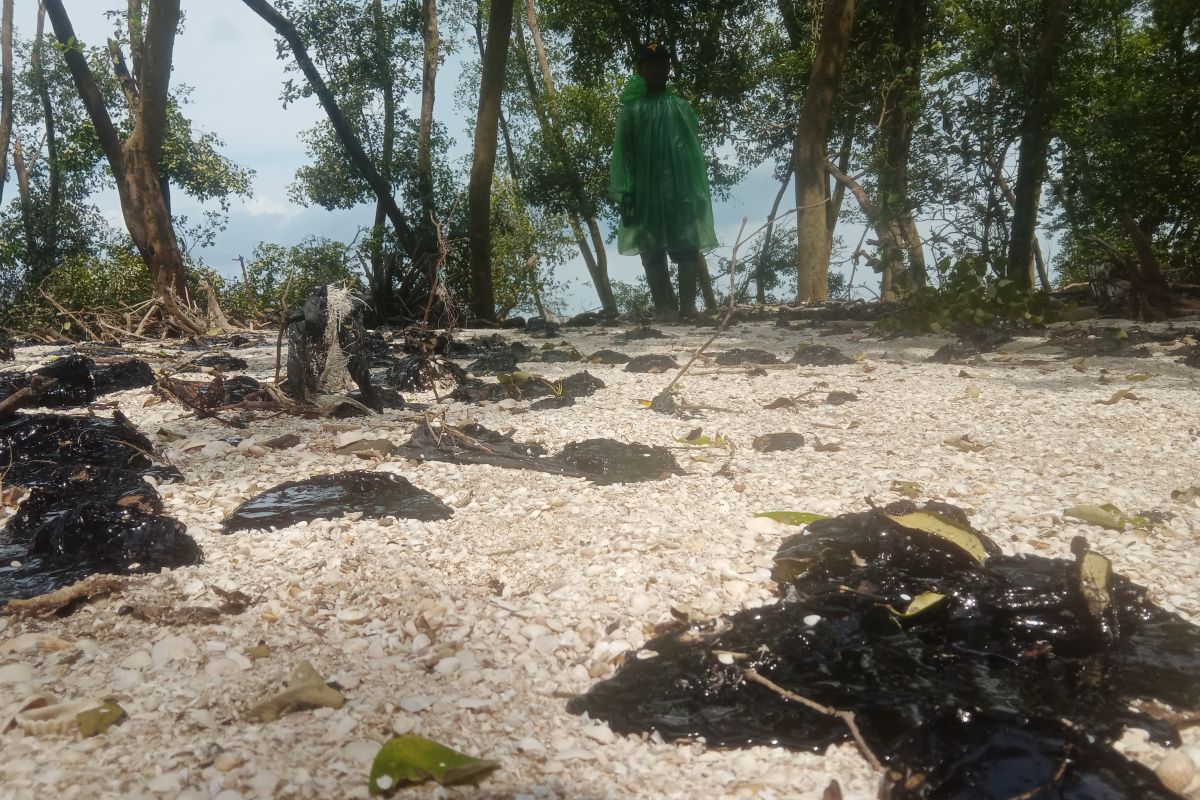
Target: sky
(226, 54)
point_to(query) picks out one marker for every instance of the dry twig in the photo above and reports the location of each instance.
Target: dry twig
(845, 716)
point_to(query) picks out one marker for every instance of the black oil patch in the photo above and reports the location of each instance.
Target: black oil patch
(375, 494)
(1010, 683)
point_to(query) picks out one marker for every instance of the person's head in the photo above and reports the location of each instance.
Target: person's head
(654, 65)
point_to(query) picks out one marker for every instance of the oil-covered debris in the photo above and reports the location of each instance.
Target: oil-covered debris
(819, 355)
(48, 449)
(640, 333)
(969, 673)
(513, 323)
(540, 326)
(375, 494)
(426, 362)
(838, 398)
(1188, 355)
(559, 355)
(603, 461)
(652, 362)
(607, 461)
(80, 380)
(494, 361)
(996, 755)
(745, 355)
(318, 355)
(608, 357)
(771, 442)
(418, 372)
(478, 345)
(221, 361)
(834, 310)
(528, 386)
(88, 509)
(955, 353)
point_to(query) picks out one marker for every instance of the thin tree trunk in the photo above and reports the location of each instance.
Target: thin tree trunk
(429, 68)
(380, 264)
(838, 196)
(22, 174)
(6, 87)
(887, 233)
(548, 117)
(411, 244)
(1035, 143)
(479, 189)
(1039, 262)
(760, 268)
(900, 95)
(812, 130)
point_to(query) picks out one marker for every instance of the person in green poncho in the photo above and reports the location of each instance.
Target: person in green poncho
(659, 182)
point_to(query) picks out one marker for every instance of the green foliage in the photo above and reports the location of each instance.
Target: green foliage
(970, 296)
(633, 299)
(526, 246)
(281, 277)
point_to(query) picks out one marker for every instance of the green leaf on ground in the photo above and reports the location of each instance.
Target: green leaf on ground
(409, 759)
(910, 489)
(791, 517)
(920, 603)
(97, 720)
(1105, 516)
(945, 529)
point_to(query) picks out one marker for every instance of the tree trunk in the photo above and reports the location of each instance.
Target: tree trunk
(547, 113)
(900, 97)
(6, 88)
(1141, 233)
(134, 160)
(418, 255)
(812, 130)
(429, 32)
(887, 233)
(838, 196)
(1035, 143)
(380, 264)
(760, 268)
(479, 189)
(1039, 263)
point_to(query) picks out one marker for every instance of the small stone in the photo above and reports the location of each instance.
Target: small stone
(416, 703)
(15, 673)
(1176, 771)
(812, 619)
(264, 782)
(402, 724)
(362, 751)
(172, 648)
(353, 616)
(221, 667)
(138, 659)
(225, 761)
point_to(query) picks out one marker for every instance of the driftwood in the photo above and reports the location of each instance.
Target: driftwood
(36, 388)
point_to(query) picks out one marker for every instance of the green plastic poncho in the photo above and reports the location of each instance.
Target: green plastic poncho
(659, 179)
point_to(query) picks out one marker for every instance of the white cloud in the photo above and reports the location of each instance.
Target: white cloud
(269, 207)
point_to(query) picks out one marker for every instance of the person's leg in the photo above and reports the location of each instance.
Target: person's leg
(659, 280)
(688, 262)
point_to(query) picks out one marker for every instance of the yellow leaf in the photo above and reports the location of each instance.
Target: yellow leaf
(921, 602)
(1139, 376)
(1118, 396)
(945, 529)
(907, 488)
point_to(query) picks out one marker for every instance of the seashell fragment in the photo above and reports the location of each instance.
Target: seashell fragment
(1176, 771)
(42, 642)
(55, 718)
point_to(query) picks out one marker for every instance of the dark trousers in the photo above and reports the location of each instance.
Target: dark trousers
(659, 279)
